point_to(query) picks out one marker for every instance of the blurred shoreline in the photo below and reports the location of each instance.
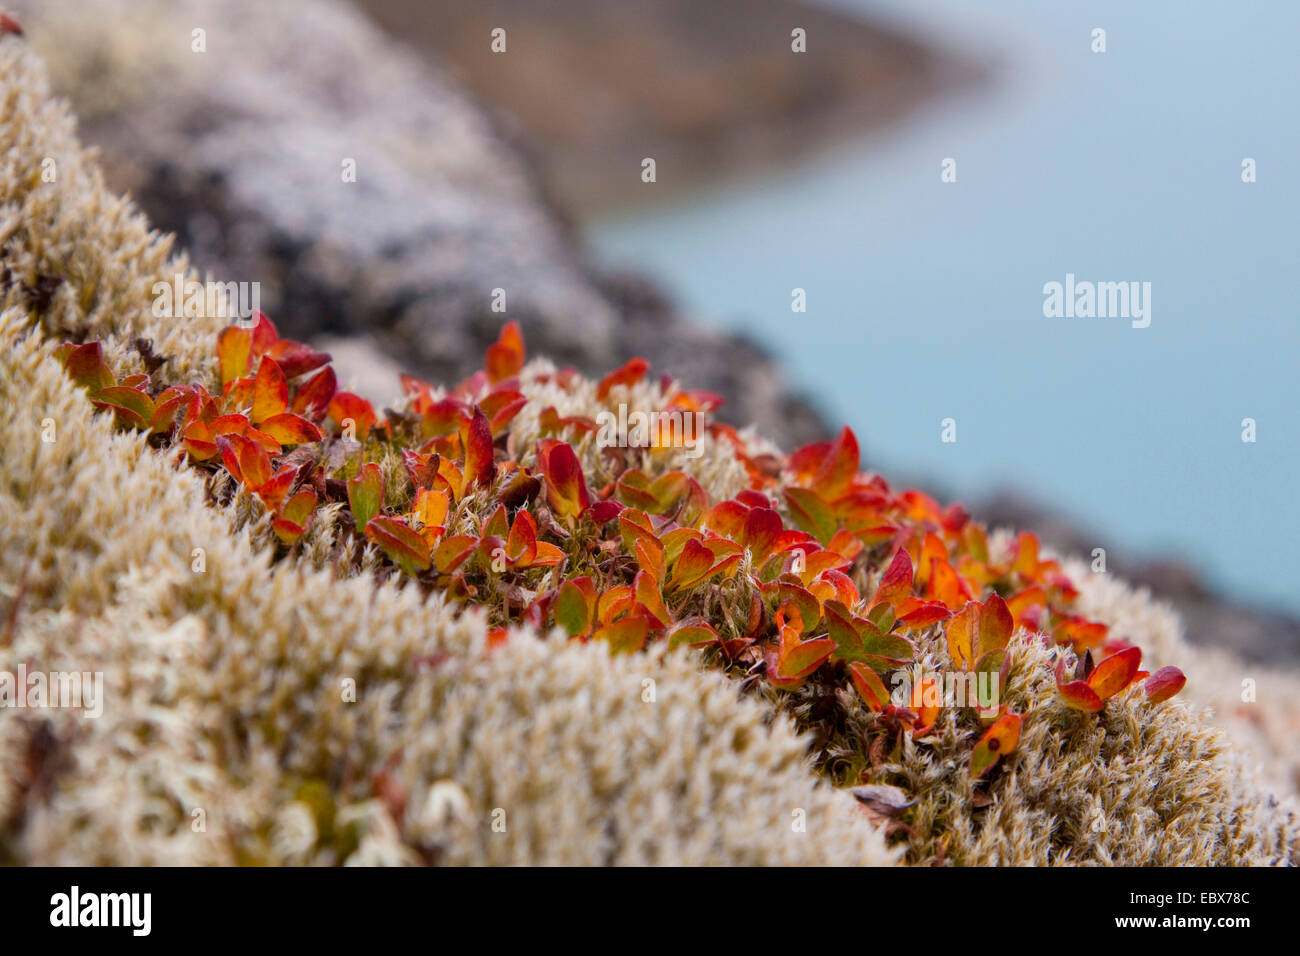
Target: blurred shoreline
(713, 92)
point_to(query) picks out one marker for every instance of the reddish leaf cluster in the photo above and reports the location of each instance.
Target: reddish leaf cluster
(817, 575)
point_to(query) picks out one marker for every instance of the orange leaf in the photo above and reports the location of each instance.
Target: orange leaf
(246, 460)
(839, 467)
(453, 551)
(1115, 673)
(547, 555)
(270, 391)
(629, 374)
(625, 636)
(403, 544)
(430, 507)
(798, 659)
(234, 346)
(521, 545)
(566, 489)
(650, 557)
(614, 602)
(649, 597)
(691, 635)
(1080, 696)
(927, 696)
(505, 357)
(199, 441)
(345, 406)
(289, 429)
(1001, 738)
(870, 686)
(273, 490)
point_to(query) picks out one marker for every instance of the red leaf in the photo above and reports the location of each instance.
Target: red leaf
(313, 398)
(295, 358)
(476, 435)
(85, 366)
(896, 585)
(693, 565)
(602, 511)
(839, 467)
(1163, 684)
(566, 489)
(501, 408)
(924, 614)
(629, 374)
(762, 529)
(422, 469)
(1115, 673)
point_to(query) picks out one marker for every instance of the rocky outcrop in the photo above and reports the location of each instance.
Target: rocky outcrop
(242, 150)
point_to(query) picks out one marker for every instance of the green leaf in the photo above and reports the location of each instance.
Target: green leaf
(366, 494)
(811, 514)
(571, 611)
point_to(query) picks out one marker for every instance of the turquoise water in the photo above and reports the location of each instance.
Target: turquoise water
(925, 299)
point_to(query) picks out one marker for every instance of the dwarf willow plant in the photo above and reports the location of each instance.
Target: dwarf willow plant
(816, 573)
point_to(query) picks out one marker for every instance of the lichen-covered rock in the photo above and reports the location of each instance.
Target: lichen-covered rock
(241, 151)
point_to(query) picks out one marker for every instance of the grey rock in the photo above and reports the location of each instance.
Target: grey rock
(240, 150)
